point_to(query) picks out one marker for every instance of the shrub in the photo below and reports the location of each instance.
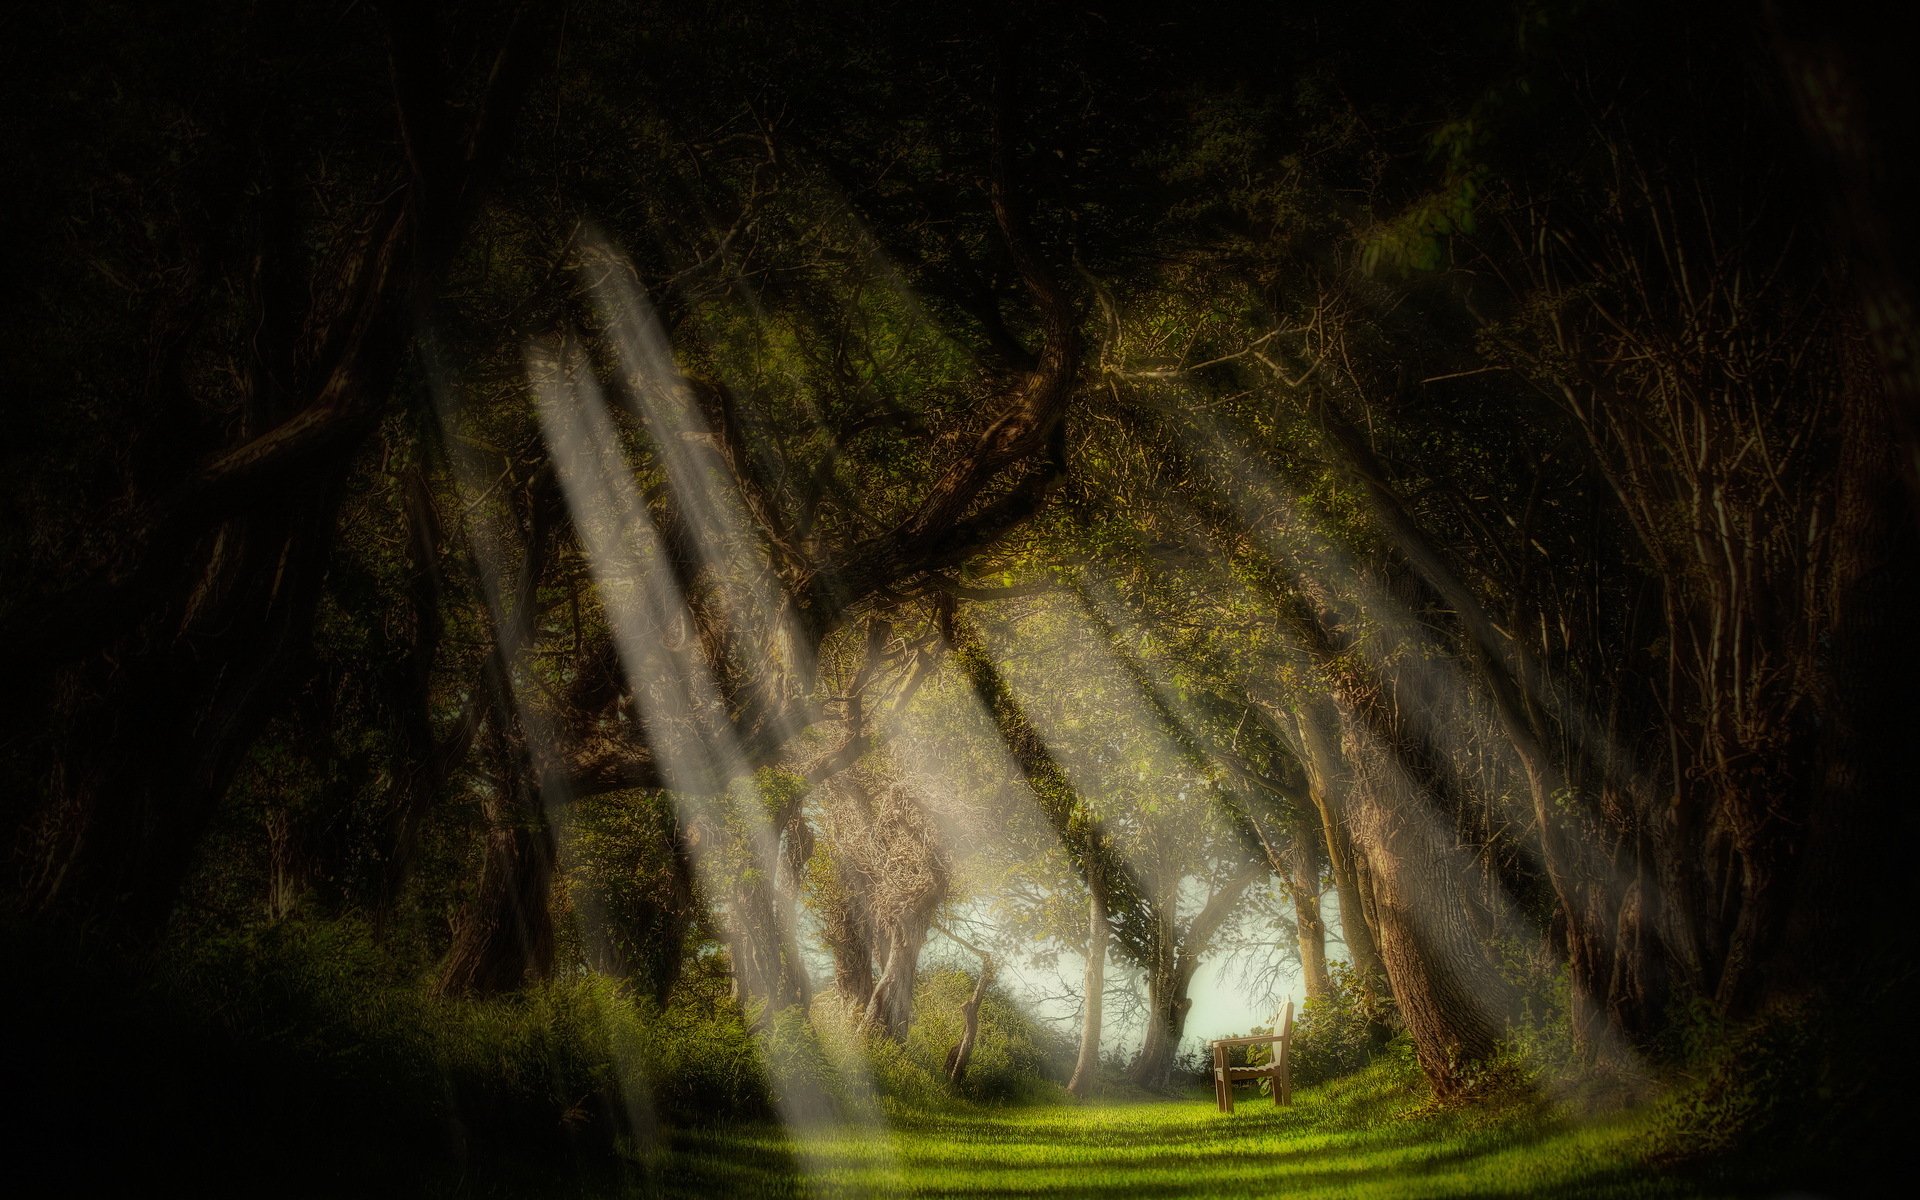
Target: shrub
(300, 1056)
(700, 1063)
(623, 876)
(905, 1076)
(1336, 1034)
(1014, 1058)
(1744, 1084)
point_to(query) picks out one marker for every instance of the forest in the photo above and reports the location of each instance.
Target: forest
(809, 599)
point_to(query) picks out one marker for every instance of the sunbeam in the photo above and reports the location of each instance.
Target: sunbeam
(515, 622)
(1445, 709)
(684, 717)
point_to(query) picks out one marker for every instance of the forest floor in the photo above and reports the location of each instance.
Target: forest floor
(1356, 1137)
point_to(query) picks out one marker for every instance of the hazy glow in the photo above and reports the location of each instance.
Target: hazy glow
(491, 571)
(1445, 705)
(729, 552)
(1109, 744)
(685, 715)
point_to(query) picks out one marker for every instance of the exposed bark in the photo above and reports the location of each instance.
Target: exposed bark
(1708, 403)
(891, 1005)
(1302, 878)
(847, 927)
(1000, 479)
(961, 1055)
(1086, 1066)
(1454, 1003)
(766, 960)
(1328, 783)
(1176, 956)
(1167, 1008)
(505, 933)
(1024, 435)
(1616, 1000)
(1432, 936)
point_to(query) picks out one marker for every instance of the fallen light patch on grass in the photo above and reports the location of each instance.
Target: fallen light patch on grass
(1361, 1136)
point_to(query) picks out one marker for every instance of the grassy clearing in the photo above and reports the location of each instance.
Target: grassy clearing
(1360, 1136)
(306, 1075)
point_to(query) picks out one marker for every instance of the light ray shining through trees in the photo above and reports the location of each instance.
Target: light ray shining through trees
(1446, 709)
(683, 714)
(516, 623)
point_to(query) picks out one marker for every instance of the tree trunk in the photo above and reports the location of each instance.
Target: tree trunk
(1176, 955)
(961, 1055)
(891, 1005)
(765, 958)
(505, 933)
(1455, 1004)
(1303, 886)
(176, 656)
(146, 758)
(850, 937)
(1432, 939)
(1328, 783)
(1167, 1008)
(1086, 1068)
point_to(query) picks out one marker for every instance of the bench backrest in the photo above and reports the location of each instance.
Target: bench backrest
(1283, 1020)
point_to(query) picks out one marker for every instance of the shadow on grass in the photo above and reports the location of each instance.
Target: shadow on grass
(1420, 1158)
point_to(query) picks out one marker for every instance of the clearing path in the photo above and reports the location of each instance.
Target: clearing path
(1356, 1137)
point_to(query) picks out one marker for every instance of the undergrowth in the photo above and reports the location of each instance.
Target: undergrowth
(299, 1058)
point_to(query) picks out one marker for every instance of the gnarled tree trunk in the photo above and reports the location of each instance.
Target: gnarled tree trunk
(1454, 1001)
(891, 1006)
(1167, 1008)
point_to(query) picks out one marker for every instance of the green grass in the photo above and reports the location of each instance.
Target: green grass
(1361, 1136)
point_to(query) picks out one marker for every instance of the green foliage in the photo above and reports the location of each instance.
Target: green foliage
(623, 880)
(908, 1081)
(823, 254)
(701, 1063)
(1540, 1035)
(1015, 1059)
(563, 1050)
(1745, 1086)
(305, 1045)
(806, 1054)
(1339, 1033)
(1416, 239)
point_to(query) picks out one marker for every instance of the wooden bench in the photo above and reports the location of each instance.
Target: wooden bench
(1224, 1076)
